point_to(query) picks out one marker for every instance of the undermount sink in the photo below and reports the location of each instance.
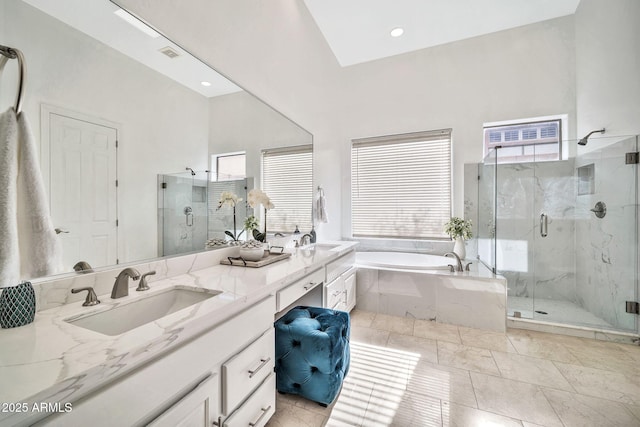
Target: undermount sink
(129, 316)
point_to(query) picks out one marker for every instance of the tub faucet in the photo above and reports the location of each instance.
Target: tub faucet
(121, 286)
(458, 260)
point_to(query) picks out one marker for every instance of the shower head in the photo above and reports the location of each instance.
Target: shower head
(584, 140)
(192, 172)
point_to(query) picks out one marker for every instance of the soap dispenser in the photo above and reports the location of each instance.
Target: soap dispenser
(297, 231)
(313, 234)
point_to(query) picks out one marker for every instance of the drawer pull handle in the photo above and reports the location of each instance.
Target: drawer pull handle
(336, 293)
(263, 363)
(309, 286)
(264, 412)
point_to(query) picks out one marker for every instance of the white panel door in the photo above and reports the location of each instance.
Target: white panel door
(83, 190)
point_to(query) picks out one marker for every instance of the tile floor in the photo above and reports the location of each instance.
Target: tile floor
(408, 372)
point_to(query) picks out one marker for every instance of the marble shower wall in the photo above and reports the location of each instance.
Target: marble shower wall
(536, 266)
(606, 248)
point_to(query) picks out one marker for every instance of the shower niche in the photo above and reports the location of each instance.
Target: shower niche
(538, 225)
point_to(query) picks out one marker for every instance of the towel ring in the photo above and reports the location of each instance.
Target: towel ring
(12, 53)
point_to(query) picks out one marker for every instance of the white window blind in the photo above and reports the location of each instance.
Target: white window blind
(401, 185)
(287, 178)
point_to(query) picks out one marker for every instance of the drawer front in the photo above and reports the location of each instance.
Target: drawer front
(294, 291)
(245, 371)
(350, 290)
(339, 266)
(199, 407)
(257, 410)
(334, 293)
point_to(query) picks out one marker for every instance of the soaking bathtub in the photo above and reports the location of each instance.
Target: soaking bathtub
(404, 260)
(421, 286)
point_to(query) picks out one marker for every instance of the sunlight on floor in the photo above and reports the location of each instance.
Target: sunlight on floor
(373, 393)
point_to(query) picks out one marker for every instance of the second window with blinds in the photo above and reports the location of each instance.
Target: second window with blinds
(287, 178)
(401, 185)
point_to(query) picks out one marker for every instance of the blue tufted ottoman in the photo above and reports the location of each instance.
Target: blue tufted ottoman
(312, 352)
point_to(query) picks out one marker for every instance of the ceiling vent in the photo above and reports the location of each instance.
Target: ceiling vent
(170, 52)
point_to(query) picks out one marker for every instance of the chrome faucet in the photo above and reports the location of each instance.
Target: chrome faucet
(458, 261)
(121, 287)
(305, 236)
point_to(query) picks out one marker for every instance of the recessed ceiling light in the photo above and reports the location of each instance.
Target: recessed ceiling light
(207, 84)
(397, 32)
(137, 23)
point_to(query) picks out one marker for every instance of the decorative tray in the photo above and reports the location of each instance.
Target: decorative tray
(269, 258)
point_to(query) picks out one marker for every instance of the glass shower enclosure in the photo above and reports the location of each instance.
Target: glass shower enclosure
(564, 234)
(188, 213)
(182, 212)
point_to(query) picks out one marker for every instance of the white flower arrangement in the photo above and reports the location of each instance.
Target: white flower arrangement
(227, 198)
(258, 197)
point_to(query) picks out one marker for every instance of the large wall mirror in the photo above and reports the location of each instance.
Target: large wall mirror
(97, 79)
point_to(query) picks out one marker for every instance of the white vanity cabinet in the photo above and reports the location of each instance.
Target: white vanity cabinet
(340, 287)
(188, 383)
(198, 408)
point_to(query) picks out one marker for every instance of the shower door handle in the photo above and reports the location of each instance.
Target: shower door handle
(188, 212)
(543, 225)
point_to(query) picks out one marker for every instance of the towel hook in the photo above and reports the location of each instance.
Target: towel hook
(12, 53)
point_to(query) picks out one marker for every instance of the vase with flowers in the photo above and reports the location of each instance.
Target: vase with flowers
(258, 197)
(227, 198)
(459, 230)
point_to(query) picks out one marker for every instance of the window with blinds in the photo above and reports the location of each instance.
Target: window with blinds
(287, 178)
(401, 185)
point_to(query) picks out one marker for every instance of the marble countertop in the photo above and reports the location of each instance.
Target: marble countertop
(51, 360)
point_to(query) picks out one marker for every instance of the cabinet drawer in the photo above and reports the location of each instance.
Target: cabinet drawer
(245, 371)
(334, 293)
(199, 407)
(339, 266)
(294, 291)
(257, 410)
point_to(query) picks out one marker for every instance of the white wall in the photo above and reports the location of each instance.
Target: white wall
(278, 53)
(608, 67)
(164, 125)
(520, 73)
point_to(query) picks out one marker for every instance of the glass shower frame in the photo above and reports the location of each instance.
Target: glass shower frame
(563, 264)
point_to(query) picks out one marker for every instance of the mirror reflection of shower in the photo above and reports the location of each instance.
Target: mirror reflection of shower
(584, 140)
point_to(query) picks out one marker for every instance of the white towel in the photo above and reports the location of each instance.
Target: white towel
(40, 249)
(9, 251)
(321, 208)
